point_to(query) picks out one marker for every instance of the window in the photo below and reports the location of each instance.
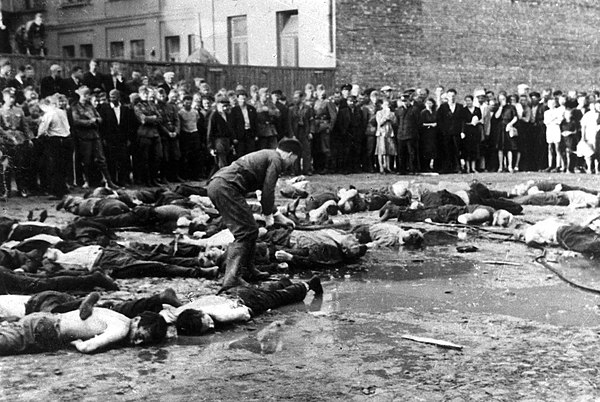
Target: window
(238, 40)
(69, 3)
(68, 51)
(287, 38)
(138, 51)
(172, 48)
(191, 44)
(117, 50)
(86, 51)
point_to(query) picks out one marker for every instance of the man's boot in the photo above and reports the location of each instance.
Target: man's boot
(250, 273)
(108, 180)
(237, 255)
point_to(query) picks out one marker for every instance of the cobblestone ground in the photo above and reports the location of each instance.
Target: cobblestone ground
(526, 335)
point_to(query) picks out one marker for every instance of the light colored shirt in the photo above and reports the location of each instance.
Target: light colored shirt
(82, 258)
(189, 120)
(54, 123)
(246, 117)
(543, 232)
(117, 110)
(581, 199)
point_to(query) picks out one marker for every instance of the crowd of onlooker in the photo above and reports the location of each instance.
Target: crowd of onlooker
(94, 127)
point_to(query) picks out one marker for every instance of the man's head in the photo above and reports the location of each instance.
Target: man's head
(241, 97)
(5, 68)
(451, 95)
(144, 91)
(169, 77)
(93, 65)
(147, 328)
(115, 69)
(55, 70)
(289, 149)
(502, 218)
(411, 238)
(84, 94)
(77, 72)
(173, 96)
(114, 96)
(345, 90)
(161, 95)
(210, 256)
(222, 104)
(535, 98)
(194, 323)
(38, 19)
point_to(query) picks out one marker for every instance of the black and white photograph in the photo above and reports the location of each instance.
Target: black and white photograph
(299, 200)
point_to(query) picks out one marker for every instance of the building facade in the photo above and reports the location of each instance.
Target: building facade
(293, 33)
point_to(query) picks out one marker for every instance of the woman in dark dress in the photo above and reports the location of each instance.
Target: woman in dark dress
(471, 135)
(503, 121)
(4, 37)
(428, 135)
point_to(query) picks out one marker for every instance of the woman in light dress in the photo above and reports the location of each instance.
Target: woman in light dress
(586, 147)
(385, 148)
(552, 119)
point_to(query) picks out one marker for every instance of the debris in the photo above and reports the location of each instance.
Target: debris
(466, 249)
(431, 341)
(514, 264)
(369, 390)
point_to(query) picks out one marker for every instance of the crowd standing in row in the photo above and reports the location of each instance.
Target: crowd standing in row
(93, 127)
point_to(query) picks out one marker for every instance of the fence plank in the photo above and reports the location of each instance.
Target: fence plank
(287, 79)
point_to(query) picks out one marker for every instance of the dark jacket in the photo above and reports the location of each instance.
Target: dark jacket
(450, 124)
(93, 81)
(108, 85)
(283, 123)
(149, 119)
(50, 86)
(255, 171)
(114, 132)
(68, 88)
(237, 122)
(218, 128)
(86, 121)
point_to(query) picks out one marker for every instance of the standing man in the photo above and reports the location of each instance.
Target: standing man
(36, 36)
(267, 114)
(282, 123)
(51, 84)
(243, 120)
(190, 140)
(220, 132)
(356, 130)
(149, 146)
(86, 123)
(302, 127)
(70, 85)
(115, 80)
(15, 139)
(340, 136)
(538, 131)
(54, 127)
(116, 131)
(408, 137)
(171, 128)
(227, 190)
(450, 126)
(92, 78)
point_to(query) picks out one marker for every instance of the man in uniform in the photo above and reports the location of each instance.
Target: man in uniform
(227, 190)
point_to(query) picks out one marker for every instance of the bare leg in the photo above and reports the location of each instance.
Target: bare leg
(500, 161)
(509, 156)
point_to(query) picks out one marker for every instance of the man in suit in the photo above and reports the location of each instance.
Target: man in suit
(51, 84)
(450, 126)
(116, 132)
(282, 123)
(302, 116)
(243, 120)
(538, 131)
(70, 85)
(408, 134)
(220, 132)
(340, 136)
(115, 80)
(92, 78)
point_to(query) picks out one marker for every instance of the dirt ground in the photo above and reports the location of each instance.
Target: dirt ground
(526, 335)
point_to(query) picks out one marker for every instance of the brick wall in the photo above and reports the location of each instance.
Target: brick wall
(468, 44)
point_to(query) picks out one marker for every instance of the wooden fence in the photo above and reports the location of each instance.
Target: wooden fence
(218, 76)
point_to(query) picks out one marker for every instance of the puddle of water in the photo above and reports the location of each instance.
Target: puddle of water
(450, 285)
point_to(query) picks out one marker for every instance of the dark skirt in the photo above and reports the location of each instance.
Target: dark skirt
(470, 144)
(429, 143)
